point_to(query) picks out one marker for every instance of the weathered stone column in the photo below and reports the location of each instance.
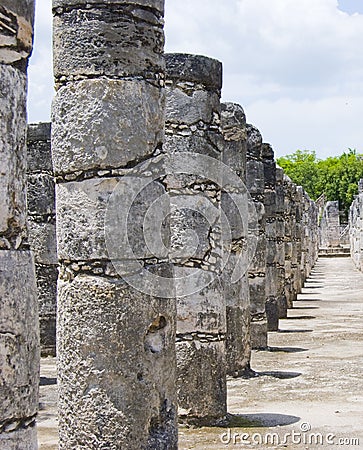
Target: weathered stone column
(330, 225)
(297, 214)
(257, 271)
(289, 236)
(280, 243)
(42, 232)
(237, 296)
(356, 228)
(19, 328)
(193, 85)
(115, 342)
(272, 308)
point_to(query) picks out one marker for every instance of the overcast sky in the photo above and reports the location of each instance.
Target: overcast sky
(296, 66)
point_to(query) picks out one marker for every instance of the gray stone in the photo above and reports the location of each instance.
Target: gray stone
(111, 123)
(115, 366)
(12, 155)
(192, 125)
(19, 347)
(113, 40)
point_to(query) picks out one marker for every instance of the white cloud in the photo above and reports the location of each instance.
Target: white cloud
(292, 64)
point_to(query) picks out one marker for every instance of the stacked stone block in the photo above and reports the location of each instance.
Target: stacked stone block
(330, 225)
(257, 271)
(42, 230)
(272, 255)
(237, 296)
(115, 338)
(19, 328)
(297, 243)
(356, 228)
(280, 243)
(193, 85)
(289, 238)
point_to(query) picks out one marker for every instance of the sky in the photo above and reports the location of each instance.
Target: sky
(296, 66)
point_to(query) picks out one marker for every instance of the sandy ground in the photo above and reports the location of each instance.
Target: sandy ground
(309, 390)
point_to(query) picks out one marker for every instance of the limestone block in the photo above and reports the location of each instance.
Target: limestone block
(254, 177)
(47, 287)
(19, 336)
(259, 332)
(16, 37)
(192, 144)
(39, 157)
(191, 229)
(201, 367)
(41, 196)
(12, 156)
(81, 207)
(122, 39)
(203, 311)
(254, 142)
(42, 239)
(189, 109)
(257, 295)
(258, 263)
(110, 123)
(116, 354)
(194, 69)
(22, 439)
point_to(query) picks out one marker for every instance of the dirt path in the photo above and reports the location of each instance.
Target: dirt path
(310, 383)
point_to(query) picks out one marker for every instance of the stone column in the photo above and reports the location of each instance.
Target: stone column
(272, 308)
(257, 271)
(289, 226)
(115, 342)
(298, 217)
(330, 225)
(19, 328)
(237, 296)
(280, 243)
(42, 232)
(193, 85)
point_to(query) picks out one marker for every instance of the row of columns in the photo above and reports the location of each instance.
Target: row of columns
(179, 241)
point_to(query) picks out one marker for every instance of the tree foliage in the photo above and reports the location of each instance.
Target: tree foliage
(337, 176)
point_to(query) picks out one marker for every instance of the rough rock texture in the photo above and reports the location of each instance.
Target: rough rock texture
(19, 328)
(193, 86)
(280, 243)
(255, 183)
(237, 295)
(301, 238)
(42, 231)
(272, 306)
(330, 225)
(289, 237)
(115, 340)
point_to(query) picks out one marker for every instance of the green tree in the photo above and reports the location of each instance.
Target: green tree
(337, 176)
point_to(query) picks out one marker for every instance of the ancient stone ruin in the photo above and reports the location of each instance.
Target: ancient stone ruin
(42, 232)
(153, 179)
(19, 328)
